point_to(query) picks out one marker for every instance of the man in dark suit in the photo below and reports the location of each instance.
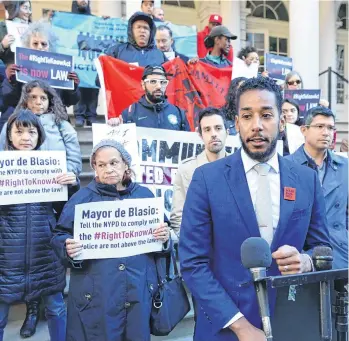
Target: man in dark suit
(253, 193)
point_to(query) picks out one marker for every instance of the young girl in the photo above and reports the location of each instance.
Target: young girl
(29, 268)
(43, 101)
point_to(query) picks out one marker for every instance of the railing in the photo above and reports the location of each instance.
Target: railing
(329, 71)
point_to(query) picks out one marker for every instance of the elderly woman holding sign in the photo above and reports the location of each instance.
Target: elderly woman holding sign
(109, 299)
(29, 268)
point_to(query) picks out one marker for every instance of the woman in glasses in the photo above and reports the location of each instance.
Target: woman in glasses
(293, 81)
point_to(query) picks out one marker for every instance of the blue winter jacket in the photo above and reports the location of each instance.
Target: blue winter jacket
(161, 115)
(29, 268)
(109, 299)
(130, 52)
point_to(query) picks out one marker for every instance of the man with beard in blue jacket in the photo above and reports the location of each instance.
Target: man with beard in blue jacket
(153, 110)
(140, 48)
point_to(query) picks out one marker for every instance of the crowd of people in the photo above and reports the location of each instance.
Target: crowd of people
(219, 199)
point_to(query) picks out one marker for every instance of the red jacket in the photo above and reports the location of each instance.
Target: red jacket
(202, 50)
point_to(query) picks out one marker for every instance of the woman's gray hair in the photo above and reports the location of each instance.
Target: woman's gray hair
(42, 28)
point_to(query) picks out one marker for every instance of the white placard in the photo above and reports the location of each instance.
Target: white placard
(16, 29)
(114, 229)
(240, 69)
(29, 176)
(295, 137)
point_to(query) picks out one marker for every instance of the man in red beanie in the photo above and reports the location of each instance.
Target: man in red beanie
(214, 20)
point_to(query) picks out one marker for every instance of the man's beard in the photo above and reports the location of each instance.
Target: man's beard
(154, 99)
(215, 148)
(260, 156)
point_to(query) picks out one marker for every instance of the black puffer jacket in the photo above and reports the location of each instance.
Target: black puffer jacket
(29, 268)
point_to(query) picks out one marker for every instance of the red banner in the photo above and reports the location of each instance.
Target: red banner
(191, 88)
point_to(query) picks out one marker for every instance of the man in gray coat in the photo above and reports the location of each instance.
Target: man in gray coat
(332, 169)
(214, 132)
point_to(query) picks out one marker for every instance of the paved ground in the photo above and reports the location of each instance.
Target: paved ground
(12, 333)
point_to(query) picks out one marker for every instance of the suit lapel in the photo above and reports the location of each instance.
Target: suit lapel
(287, 179)
(235, 176)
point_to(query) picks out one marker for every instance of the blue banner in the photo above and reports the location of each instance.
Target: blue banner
(86, 37)
(306, 99)
(52, 68)
(278, 66)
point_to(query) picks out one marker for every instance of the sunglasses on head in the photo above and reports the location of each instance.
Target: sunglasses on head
(298, 81)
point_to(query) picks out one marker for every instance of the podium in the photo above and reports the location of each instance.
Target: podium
(297, 314)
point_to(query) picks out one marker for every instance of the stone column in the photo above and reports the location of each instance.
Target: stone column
(328, 48)
(304, 40)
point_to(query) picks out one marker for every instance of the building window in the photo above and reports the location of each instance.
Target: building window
(274, 10)
(340, 70)
(185, 3)
(343, 16)
(278, 46)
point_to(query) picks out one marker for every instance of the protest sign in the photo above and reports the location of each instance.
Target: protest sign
(86, 37)
(278, 66)
(115, 229)
(295, 137)
(16, 29)
(29, 176)
(124, 133)
(52, 68)
(240, 69)
(306, 99)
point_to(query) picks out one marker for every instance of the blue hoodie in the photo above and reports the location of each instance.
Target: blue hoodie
(130, 52)
(160, 115)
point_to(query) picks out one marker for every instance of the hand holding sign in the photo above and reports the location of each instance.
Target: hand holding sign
(66, 179)
(11, 71)
(7, 41)
(73, 247)
(162, 233)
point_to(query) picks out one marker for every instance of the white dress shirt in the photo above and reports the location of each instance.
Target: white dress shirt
(252, 181)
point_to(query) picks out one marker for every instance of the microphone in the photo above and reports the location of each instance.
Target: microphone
(322, 258)
(256, 256)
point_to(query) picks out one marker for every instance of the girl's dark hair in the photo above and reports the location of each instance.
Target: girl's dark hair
(246, 51)
(24, 118)
(13, 8)
(299, 121)
(55, 106)
(229, 108)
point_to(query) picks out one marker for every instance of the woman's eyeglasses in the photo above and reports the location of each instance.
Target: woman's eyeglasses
(296, 82)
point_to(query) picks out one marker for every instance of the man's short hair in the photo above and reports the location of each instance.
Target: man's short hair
(210, 111)
(260, 83)
(164, 28)
(319, 110)
(246, 51)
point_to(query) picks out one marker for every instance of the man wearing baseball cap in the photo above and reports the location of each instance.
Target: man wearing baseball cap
(214, 20)
(218, 41)
(153, 110)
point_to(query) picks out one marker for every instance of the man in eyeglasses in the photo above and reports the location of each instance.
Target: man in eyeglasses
(332, 169)
(153, 110)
